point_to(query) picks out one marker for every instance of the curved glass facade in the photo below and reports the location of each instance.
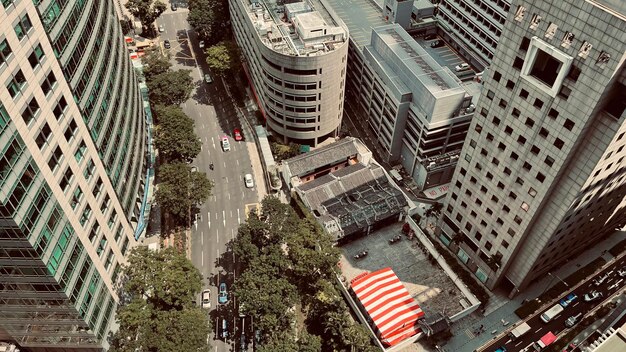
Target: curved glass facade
(72, 160)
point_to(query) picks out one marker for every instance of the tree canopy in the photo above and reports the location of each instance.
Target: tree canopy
(181, 188)
(223, 58)
(174, 135)
(147, 11)
(157, 310)
(201, 17)
(154, 63)
(288, 269)
(171, 87)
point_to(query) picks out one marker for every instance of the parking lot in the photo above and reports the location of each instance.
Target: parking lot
(428, 284)
(444, 56)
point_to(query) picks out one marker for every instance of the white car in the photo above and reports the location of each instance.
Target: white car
(248, 180)
(225, 144)
(161, 28)
(206, 299)
(592, 296)
(462, 67)
(201, 44)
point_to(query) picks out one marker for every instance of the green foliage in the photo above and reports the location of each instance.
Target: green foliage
(154, 63)
(180, 188)
(174, 135)
(282, 152)
(170, 88)
(157, 311)
(223, 58)
(201, 17)
(147, 11)
(288, 262)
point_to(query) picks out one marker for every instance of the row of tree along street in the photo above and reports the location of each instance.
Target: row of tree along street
(287, 284)
(158, 290)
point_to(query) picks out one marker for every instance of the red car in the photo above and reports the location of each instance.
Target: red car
(238, 135)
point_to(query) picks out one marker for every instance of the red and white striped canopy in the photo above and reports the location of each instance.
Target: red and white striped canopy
(393, 311)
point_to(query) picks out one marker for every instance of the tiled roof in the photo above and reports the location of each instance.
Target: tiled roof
(302, 164)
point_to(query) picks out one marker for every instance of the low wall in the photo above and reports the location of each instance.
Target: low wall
(473, 301)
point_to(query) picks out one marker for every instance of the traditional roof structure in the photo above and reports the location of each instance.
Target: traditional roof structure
(392, 310)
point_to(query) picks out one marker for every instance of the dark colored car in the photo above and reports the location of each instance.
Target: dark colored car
(174, 6)
(166, 44)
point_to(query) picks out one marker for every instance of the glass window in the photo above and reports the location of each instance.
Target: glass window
(86, 215)
(31, 111)
(80, 152)
(462, 255)
(35, 57)
(22, 27)
(5, 51)
(16, 84)
(481, 275)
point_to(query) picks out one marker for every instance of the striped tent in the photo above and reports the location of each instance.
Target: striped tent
(392, 310)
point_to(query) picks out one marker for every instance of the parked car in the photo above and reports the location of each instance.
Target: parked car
(201, 44)
(237, 134)
(592, 296)
(436, 44)
(174, 6)
(567, 300)
(462, 67)
(225, 144)
(501, 349)
(248, 181)
(206, 299)
(166, 44)
(621, 272)
(207, 78)
(161, 28)
(222, 297)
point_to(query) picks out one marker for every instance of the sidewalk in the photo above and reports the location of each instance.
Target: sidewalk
(501, 310)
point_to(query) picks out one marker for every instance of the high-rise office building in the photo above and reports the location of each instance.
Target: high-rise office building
(542, 174)
(72, 160)
(473, 27)
(296, 54)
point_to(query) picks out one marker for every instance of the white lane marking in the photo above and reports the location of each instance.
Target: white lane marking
(240, 178)
(228, 196)
(213, 141)
(237, 162)
(226, 179)
(202, 237)
(208, 216)
(224, 217)
(217, 234)
(238, 218)
(203, 126)
(519, 343)
(575, 304)
(202, 259)
(216, 217)
(224, 164)
(231, 213)
(538, 330)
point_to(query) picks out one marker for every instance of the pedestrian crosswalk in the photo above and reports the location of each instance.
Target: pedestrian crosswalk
(469, 333)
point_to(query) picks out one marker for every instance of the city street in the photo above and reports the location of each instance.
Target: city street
(216, 223)
(557, 325)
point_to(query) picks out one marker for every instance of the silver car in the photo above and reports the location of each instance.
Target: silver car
(248, 180)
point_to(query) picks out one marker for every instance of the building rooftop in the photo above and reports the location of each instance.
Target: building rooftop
(618, 7)
(360, 16)
(303, 28)
(330, 154)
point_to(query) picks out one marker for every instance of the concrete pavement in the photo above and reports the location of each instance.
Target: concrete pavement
(501, 310)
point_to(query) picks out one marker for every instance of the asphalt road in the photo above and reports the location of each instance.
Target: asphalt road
(215, 115)
(557, 325)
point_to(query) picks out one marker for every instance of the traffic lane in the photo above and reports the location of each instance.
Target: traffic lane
(557, 325)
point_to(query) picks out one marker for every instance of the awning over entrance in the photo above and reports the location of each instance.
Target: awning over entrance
(392, 310)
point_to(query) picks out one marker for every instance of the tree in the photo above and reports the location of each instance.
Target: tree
(174, 135)
(201, 18)
(154, 63)
(433, 210)
(147, 11)
(180, 188)
(171, 88)
(157, 310)
(224, 58)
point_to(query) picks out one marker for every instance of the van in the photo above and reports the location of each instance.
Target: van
(551, 313)
(224, 329)
(519, 330)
